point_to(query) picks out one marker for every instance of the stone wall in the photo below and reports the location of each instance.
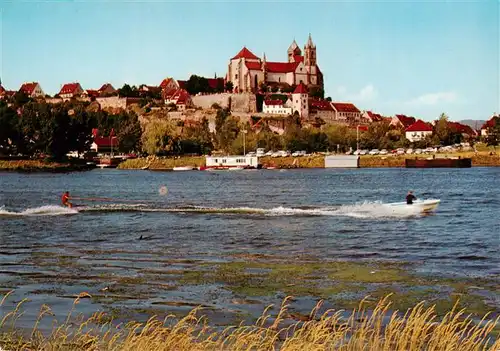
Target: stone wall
(245, 102)
(116, 102)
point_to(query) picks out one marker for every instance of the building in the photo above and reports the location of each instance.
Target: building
(418, 131)
(371, 117)
(106, 90)
(180, 98)
(300, 101)
(103, 144)
(402, 121)
(32, 89)
(277, 106)
(346, 112)
(322, 109)
(70, 90)
(90, 94)
(247, 71)
(491, 123)
(466, 131)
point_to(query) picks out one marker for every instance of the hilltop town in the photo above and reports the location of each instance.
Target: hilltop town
(258, 93)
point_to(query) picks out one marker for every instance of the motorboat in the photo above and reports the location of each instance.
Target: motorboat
(424, 205)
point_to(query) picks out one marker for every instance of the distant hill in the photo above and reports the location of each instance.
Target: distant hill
(473, 123)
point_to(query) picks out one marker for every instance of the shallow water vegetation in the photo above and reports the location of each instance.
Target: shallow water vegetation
(380, 328)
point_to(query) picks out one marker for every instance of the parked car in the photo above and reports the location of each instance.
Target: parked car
(252, 153)
(409, 151)
(269, 153)
(374, 152)
(357, 152)
(302, 153)
(384, 152)
(418, 151)
(363, 152)
(400, 151)
(295, 154)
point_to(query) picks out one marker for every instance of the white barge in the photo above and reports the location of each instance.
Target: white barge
(230, 162)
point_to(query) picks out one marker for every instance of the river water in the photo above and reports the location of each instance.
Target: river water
(49, 254)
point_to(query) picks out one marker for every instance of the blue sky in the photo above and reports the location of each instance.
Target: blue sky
(416, 58)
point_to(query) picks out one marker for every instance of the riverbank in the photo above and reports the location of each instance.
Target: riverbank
(277, 329)
(42, 166)
(480, 159)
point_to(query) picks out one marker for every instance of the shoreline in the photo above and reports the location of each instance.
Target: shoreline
(481, 159)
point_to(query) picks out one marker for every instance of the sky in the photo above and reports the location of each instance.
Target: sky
(415, 58)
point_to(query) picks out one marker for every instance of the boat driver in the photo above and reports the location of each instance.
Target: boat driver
(410, 197)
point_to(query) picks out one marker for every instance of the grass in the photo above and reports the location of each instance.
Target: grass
(481, 158)
(39, 166)
(380, 328)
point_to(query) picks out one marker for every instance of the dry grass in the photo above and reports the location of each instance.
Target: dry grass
(162, 162)
(379, 329)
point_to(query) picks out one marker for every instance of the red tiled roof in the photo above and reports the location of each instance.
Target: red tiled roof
(92, 93)
(489, 123)
(69, 88)
(164, 83)
(405, 120)
(28, 88)
(298, 58)
(300, 89)
(276, 102)
(105, 86)
(246, 54)
(374, 116)
(419, 126)
(344, 107)
(321, 105)
(281, 67)
(256, 66)
(180, 95)
(461, 128)
(106, 141)
(213, 82)
(361, 128)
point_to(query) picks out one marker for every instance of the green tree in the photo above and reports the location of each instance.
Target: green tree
(196, 84)
(128, 132)
(229, 86)
(493, 133)
(128, 91)
(317, 92)
(159, 137)
(197, 139)
(8, 127)
(80, 129)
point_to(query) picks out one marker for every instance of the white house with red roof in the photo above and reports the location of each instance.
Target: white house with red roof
(418, 131)
(346, 112)
(489, 124)
(300, 100)
(321, 109)
(169, 84)
(180, 98)
(70, 90)
(277, 106)
(371, 117)
(32, 89)
(402, 121)
(106, 90)
(246, 70)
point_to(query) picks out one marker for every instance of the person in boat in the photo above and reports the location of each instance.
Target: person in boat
(65, 200)
(410, 198)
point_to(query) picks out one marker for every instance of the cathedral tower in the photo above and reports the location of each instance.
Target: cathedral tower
(293, 50)
(310, 53)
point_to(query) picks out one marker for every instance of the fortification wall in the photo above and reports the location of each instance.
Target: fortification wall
(245, 102)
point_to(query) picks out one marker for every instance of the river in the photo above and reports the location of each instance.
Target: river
(141, 250)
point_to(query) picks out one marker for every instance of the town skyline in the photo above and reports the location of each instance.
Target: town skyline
(382, 65)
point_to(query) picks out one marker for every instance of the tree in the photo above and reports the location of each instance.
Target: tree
(158, 137)
(20, 98)
(317, 92)
(197, 139)
(328, 99)
(442, 130)
(128, 91)
(8, 127)
(80, 129)
(229, 86)
(493, 132)
(128, 132)
(220, 86)
(196, 84)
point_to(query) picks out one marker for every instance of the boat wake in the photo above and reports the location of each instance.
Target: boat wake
(373, 210)
(49, 210)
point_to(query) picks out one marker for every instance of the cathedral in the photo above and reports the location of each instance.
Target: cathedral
(247, 71)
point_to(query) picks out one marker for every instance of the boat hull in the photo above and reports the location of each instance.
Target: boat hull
(439, 163)
(423, 205)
